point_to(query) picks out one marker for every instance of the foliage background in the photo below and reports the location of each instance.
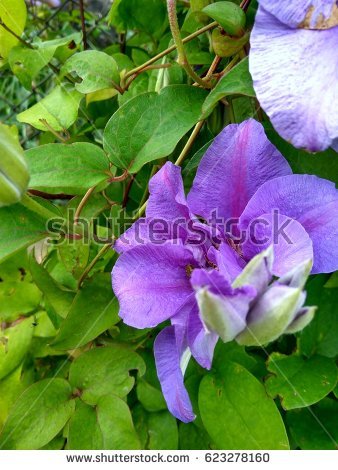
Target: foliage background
(71, 374)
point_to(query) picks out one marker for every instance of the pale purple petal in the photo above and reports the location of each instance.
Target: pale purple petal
(137, 234)
(151, 283)
(295, 13)
(295, 74)
(291, 242)
(238, 162)
(311, 201)
(167, 360)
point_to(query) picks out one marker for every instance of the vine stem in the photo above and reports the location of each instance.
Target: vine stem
(83, 202)
(172, 48)
(13, 33)
(85, 273)
(189, 143)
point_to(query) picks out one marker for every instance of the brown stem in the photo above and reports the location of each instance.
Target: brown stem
(118, 179)
(53, 131)
(82, 204)
(13, 33)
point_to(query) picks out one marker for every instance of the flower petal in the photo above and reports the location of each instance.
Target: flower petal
(295, 74)
(291, 242)
(311, 201)
(167, 360)
(303, 13)
(228, 261)
(151, 283)
(238, 162)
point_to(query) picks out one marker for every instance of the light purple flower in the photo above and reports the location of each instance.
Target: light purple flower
(207, 286)
(294, 65)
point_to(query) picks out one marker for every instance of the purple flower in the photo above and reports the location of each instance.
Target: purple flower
(208, 279)
(293, 62)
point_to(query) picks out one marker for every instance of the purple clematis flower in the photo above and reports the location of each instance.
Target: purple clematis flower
(203, 275)
(294, 65)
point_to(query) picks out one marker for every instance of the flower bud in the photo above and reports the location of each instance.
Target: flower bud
(257, 272)
(228, 15)
(271, 315)
(227, 46)
(303, 317)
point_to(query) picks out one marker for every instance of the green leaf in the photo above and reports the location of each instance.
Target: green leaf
(150, 396)
(93, 311)
(134, 134)
(102, 371)
(236, 82)
(17, 298)
(300, 382)
(97, 70)
(72, 169)
(229, 15)
(14, 345)
(162, 431)
(84, 431)
(58, 110)
(60, 298)
(10, 388)
(26, 63)
(321, 336)
(237, 413)
(315, 428)
(13, 14)
(38, 415)
(115, 421)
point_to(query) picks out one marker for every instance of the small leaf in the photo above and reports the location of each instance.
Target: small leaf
(93, 311)
(237, 413)
(229, 15)
(236, 82)
(58, 110)
(84, 432)
(300, 382)
(315, 428)
(72, 169)
(97, 70)
(162, 431)
(17, 298)
(13, 13)
(134, 134)
(38, 415)
(103, 371)
(14, 345)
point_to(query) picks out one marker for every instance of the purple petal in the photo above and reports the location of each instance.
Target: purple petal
(238, 162)
(137, 234)
(311, 201)
(291, 242)
(212, 279)
(151, 283)
(228, 261)
(295, 74)
(167, 360)
(303, 13)
(167, 199)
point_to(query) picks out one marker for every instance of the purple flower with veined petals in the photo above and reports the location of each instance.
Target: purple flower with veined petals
(171, 277)
(294, 65)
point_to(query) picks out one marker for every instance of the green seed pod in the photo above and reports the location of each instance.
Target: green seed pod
(197, 7)
(229, 15)
(14, 175)
(226, 46)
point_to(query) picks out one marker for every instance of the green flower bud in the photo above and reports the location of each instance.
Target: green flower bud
(227, 46)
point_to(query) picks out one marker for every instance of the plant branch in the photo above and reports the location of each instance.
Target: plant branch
(13, 33)
(82, 204)
(85, 273)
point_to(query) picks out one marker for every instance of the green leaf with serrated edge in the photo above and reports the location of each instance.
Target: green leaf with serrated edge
(315, 428)
(298, 381)
(72, 169)
(13, 14)
(38, 415)
(237, 81)
(97, 70)
(93, 311)
(17, 298)
(57, 111)
(101, 371)
(60, 298)
(19, 228)
(115, 421)
(134, 134)
(238, 414)
(321, 335)
(14, 345)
